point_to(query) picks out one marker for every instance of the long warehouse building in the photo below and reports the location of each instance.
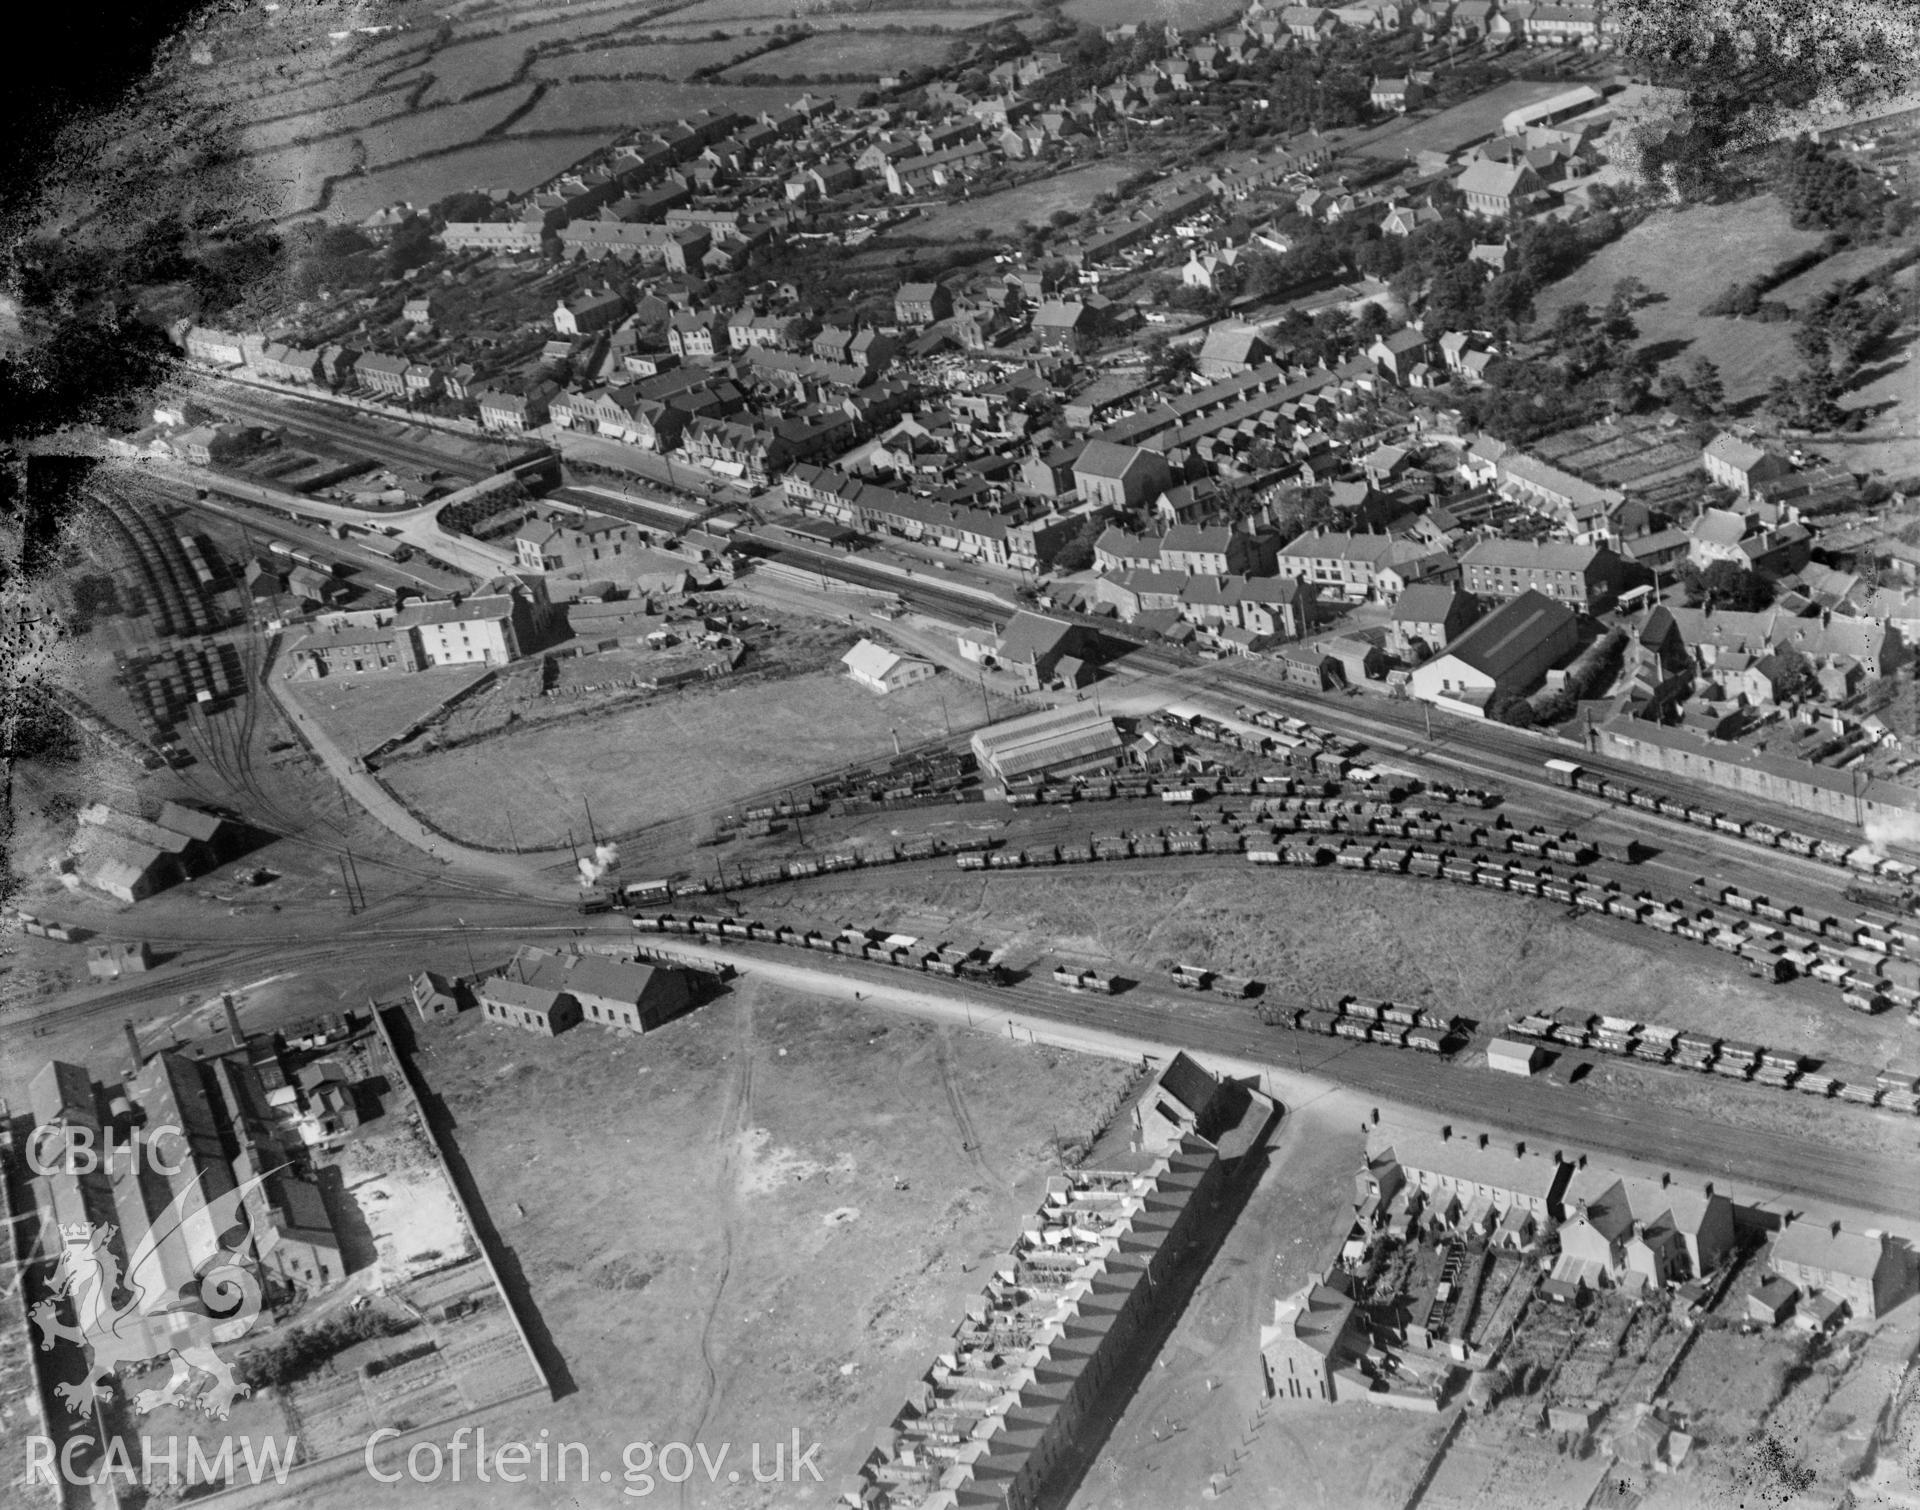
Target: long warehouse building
(1059, 741)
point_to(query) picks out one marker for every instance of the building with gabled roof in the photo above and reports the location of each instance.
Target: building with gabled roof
(536, 1009)
(883, 670)
(1496, 190)
(1501, 656)
(1584, 577)
(1055, 741)
(1867, 1272)
(1315, 1334)
(1741, 465)
(1117, 476)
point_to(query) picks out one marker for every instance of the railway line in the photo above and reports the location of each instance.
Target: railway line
(1738, 1158)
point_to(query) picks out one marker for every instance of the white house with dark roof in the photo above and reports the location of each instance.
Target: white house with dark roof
(882, 670)
(1501, 656)
(1741, 465)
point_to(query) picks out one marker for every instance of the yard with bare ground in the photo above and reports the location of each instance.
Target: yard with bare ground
(762, 1218)
(1191, 1417)
(1319, 935)
(686, 753)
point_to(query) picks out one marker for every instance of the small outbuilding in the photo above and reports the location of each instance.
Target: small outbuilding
(883, 670)
(1512, 1057)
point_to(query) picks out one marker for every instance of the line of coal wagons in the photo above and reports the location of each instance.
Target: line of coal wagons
(1705, 1053)
(1897, 877)
(872, 944)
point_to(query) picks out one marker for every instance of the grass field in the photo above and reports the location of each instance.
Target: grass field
(1186, 14)
(1842, 267)
(666, 759)
(674, 59)
(758, 1219)
(1459, 124)
(462, 67)
(360, 712)
(872, 53)
(909, 20)
(505, 163)
(291, 181)
(338, 120)
(1689, 255)
(710, 12)
(1003, 212)
(614, 106)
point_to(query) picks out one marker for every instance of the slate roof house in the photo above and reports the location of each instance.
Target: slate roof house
(1502, 656)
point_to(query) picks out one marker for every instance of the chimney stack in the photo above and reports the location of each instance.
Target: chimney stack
(1483, 1140)
(133, 1044)
(234, 1030)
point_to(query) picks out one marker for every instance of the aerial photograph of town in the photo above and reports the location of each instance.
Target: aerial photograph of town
(1012, 755)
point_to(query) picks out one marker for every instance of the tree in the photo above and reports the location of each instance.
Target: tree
(1728, 584)
(1705, 386)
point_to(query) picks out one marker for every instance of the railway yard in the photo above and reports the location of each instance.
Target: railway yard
(1344, 905)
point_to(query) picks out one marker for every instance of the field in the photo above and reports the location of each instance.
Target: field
(1842, 267)
(504, 163)
(674, 59)
(1687, 256)
(870, 53)
(1459, 124)
(671, 758)
(708, 12)
(360, 712)
(336, 120)
(759, 1219)
(1003, 212)
(907, 20)
(292, 181)
(1186, 14)
(463, 67)
(615, 106)
(437, 130)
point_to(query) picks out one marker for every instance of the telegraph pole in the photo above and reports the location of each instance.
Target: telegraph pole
(355, 869)
(589, 807)
(347, 887)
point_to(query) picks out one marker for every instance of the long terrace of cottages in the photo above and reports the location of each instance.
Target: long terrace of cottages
(999, 1407)
(1192, 416)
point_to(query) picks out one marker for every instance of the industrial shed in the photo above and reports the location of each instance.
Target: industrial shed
(1059, 741)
